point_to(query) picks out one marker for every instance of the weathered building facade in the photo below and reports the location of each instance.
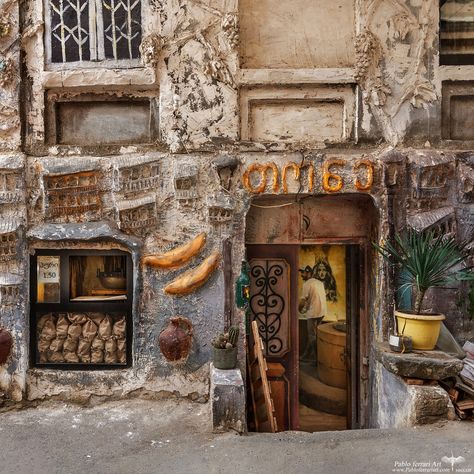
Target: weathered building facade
(129, 127)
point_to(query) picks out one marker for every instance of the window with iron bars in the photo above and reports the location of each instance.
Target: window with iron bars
(92, 30)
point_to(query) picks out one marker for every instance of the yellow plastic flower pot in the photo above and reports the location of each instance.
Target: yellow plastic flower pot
(422, 328)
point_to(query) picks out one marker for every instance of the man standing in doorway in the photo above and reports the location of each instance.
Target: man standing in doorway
(312, 307)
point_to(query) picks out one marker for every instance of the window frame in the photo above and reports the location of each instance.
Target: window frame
(104, 63)
(65, 305)
(457, 59)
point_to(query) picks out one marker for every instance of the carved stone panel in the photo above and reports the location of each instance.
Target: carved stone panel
(269, 303)
(8, 246)
(220, 208)
(185, 182)
(135, 179)
(9, 240)
(10, 187)
(138, 216)
(441, 221)
(10, 289)
(431, 181)
(466, 182)
(73, 194)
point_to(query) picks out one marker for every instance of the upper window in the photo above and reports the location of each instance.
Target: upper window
(457, 32)
(92, 30)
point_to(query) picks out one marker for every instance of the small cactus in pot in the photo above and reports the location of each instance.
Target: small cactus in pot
(225, 349)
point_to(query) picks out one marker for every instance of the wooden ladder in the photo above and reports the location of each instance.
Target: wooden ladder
(262, 403)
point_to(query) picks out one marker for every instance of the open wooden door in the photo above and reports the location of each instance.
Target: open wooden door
(273, 283)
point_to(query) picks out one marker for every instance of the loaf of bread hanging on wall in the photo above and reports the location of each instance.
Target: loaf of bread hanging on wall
(194, 278)
(178, 256)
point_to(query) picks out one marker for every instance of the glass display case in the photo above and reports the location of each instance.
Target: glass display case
(81, 309)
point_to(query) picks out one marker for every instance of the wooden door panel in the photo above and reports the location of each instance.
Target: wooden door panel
(269, 303)
(273, 286)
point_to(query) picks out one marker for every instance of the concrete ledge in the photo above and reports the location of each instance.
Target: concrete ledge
(400, 405)
(429, 365)
(227, 400)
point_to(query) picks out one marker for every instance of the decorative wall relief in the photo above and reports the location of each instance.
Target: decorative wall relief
(431, 180)
(8, 71)
(150, 49)
(262, 170)
(220, 209)
(72, 195)
(216, 68)
(230, 26)
(5, 26)
(8, 246)
(178, 256)
(139, 178)
(9, 240)
(195, 277)
(176, 339)
(185, 182)
(392, 53)
(442, 221)
(466, 182)
(10, 186)
(331, 175)
(138, 216)
(10, 290)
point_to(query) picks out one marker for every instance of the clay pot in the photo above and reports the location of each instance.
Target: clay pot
(175, 341)
(225, 359)
(6, 343)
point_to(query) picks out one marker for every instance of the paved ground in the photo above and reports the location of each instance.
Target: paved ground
(137, 436)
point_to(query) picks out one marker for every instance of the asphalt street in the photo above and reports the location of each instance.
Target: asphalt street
(174, 436)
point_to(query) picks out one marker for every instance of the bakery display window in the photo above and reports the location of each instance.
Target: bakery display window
(81, 309)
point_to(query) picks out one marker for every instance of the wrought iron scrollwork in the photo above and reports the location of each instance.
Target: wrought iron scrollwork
(267, 305)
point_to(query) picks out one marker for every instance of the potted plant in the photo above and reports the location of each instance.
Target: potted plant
(225, 349)
(425, 261)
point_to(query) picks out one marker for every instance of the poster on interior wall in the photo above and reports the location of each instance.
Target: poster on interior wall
(322, 282)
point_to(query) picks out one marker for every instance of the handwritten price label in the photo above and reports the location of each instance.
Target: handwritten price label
(48, 269)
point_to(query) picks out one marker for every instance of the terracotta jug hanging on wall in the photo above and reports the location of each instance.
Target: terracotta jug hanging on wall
(6, 343)
(175, 341)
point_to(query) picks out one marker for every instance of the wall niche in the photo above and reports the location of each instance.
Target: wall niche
(101, 120)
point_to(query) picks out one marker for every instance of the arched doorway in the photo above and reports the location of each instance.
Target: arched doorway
(310, 260)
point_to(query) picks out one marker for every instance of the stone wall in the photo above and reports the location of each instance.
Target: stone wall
(398, 405)
(213, 108)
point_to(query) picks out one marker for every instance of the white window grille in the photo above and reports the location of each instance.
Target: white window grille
(92, 30)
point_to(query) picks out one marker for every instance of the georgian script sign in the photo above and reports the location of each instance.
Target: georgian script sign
(332, 175)
(48, 269)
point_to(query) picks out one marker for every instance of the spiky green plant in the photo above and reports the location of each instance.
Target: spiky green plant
(428, 260)
(233, 335)
(227, 340)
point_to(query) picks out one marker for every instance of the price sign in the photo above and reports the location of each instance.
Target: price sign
(48, 269)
